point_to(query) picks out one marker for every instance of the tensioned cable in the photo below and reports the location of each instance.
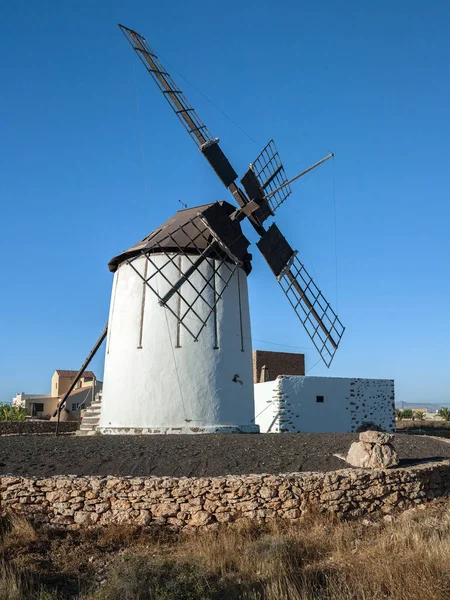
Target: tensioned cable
(210, 101)
(141, 136)
(314, 365)
(256, 340)
(174, 359)
(264, 409)
(335, 234)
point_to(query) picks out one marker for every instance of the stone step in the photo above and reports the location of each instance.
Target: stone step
(83, 432)
(88, 427)
(91, 417)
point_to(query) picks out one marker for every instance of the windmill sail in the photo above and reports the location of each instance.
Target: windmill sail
(195, 127)
(266, 188)
(270, 174)
(314, 311)
(172, 93)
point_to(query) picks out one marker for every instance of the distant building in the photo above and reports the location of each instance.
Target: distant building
(44, 405)
(36, 405)
(267, 365)
(62, 379)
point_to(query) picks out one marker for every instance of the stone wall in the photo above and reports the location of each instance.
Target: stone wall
(268, 365)
(423, 425)
(27, 427)
(192, 502)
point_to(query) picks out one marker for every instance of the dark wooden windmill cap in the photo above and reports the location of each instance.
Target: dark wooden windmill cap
(190, 231)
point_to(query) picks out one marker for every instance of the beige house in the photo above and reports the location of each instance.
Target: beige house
(44, 405)
(62, 380)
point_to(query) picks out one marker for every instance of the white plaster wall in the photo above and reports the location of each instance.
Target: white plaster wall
(289, 404)
(160, 388)
(20, 400)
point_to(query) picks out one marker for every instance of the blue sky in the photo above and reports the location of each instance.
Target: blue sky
(92, 159)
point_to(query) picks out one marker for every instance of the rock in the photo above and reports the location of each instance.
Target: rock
(266, 492)
(200, 518)
(292, 513)
(210, 506)
(223, 517)
(165, 510)
(383, 457)
(85, 518)
(375, 437)
(102, 507)
(378, 457)
(358, 456)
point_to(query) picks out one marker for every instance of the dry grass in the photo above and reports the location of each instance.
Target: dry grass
(321, 558)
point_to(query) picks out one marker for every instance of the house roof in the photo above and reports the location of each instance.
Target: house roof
(69, 373)
(83, 390)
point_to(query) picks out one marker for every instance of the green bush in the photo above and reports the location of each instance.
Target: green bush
(12, 413)
(407, 413)
(444, 413)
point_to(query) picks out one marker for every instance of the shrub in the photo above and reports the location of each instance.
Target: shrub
(12, 413)
(407, 413)
(444, 413)
(142, 577)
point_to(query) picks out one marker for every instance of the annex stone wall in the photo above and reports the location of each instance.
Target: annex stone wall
(74, 502)
(268, 365)
(34, 427)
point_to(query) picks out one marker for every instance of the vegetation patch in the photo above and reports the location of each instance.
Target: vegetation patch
(320, 558)
(12, 413)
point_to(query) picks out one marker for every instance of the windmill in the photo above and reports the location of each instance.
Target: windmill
(178, 353)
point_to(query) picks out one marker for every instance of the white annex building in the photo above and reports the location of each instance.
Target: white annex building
(294, 404)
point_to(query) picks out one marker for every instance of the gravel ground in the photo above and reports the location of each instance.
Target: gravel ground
(193, 455)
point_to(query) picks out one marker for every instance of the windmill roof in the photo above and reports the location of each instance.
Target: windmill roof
(187, 231)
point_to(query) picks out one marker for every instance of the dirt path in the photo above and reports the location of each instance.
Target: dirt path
(196, 455)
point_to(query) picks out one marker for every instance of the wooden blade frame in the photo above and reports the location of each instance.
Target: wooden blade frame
(270, 173)
(315, 313)
(171, 92)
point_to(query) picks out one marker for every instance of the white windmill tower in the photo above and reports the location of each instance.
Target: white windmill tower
(178, 353)
(187, 367)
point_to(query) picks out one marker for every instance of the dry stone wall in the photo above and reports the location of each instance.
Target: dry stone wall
(35, 427)
(74, 502)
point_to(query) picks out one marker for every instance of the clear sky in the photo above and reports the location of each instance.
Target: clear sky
(92, 159)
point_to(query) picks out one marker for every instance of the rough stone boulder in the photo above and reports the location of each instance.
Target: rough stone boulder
(373, 451)
(376, 437)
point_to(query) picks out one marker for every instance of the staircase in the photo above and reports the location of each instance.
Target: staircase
(91, 417)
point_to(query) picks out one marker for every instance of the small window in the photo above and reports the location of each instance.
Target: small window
(75, 406)
(319, 398)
